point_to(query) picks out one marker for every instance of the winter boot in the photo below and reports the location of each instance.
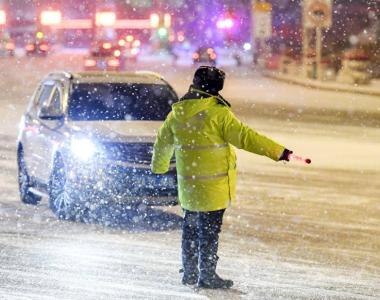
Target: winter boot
(214, 282)
(208, 279)
(189, 278)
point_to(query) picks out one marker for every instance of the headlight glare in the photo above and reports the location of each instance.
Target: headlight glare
(83, 148)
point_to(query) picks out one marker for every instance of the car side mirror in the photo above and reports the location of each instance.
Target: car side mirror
(46, 114)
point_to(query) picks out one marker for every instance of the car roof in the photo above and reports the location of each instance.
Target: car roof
(146, 77)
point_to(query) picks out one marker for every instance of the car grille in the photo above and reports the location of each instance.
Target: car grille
(131, 152)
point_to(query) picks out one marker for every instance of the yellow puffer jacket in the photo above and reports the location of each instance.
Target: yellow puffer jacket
(201, 133)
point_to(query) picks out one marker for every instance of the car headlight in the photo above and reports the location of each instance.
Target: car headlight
(83, 148)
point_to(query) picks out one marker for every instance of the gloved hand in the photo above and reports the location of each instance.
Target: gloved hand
(285, 155)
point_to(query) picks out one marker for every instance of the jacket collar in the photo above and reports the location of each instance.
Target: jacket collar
(195, 93)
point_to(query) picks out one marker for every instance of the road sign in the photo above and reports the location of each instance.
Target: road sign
(262, 20)
(317, 13)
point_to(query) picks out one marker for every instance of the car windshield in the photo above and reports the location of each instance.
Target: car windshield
(120, 101)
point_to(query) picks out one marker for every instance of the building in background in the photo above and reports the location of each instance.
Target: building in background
(212, 22)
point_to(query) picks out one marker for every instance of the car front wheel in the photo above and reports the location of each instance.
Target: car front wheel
(60, 199)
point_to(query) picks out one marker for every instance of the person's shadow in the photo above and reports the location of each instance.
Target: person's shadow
(137, 218)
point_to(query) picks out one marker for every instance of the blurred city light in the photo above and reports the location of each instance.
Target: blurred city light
(10, 46)
(113, 63)
(154, 20)
(247, 46)
(129, 38)
(107, 45)
(90, 62)
(29, 47)
(122, 43)
(51, 17)
(134, 51)
(44, 47)
(162, 32)
(225, 23)
(167, 20)
(3, 17)
(105, 18)
(181, 36)
(39, 35)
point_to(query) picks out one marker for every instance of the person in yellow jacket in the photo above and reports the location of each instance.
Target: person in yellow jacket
(202, 130)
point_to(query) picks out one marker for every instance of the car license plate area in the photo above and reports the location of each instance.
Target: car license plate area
(159, 185)
(140, 182)
(155, 181)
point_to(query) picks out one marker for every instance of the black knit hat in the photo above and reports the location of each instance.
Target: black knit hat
(209, 79)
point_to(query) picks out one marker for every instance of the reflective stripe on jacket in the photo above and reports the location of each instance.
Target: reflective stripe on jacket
(202, 132)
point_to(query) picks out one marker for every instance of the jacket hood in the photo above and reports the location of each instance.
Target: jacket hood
(186, 109)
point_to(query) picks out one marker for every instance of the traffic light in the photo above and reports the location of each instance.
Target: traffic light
(51, 17)
(39, 35)
(162, 33)
(105, 18)
(3, 17)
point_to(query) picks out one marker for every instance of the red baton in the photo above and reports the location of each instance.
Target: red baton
(299, 158)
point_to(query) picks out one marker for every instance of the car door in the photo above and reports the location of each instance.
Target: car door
(32, 142)
(50, 130)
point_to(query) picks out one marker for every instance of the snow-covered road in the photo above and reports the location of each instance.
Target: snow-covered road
(298, 232)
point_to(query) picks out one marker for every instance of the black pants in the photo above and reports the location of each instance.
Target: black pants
(200, 236)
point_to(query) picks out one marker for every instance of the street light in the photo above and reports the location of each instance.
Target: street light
(3, 17)
(105, 18)
(51, 17)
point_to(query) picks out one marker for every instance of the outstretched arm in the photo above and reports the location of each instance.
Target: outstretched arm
(163, 149)
(243, 137)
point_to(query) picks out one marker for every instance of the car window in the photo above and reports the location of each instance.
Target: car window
(44, 95)
(120, 101)
(55, 103)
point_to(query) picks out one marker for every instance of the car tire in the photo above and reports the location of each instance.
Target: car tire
(60, 199)
(24, 181)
